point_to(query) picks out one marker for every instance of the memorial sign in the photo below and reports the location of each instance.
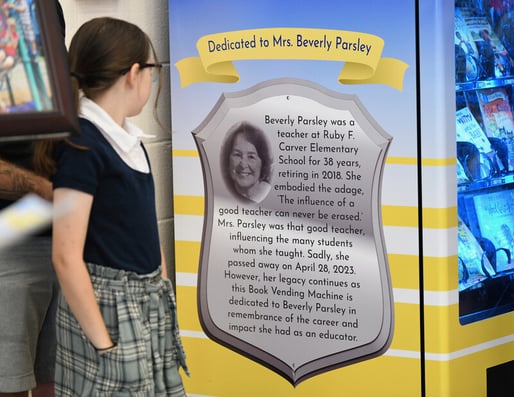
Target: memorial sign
(294, 271)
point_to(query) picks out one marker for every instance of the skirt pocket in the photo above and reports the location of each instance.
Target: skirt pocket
(125, 369)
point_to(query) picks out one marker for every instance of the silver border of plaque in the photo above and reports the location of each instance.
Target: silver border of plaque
(290, 87)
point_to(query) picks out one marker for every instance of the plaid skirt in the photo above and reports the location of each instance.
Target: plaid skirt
(140, 314)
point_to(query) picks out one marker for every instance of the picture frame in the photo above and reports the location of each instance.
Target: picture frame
(36, 99)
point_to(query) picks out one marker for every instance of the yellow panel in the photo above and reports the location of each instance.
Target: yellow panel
(406, 216)
(440, 274)
(404, 268)
(445, 334)
(391, 215)
(402, 160)
(389, 160)
(438, 162)
(440, 218)
(406, 325)
(217, 371)
(188, 309)
(188, 205)
(400, 216)
(465, 376)
(187, 256)
(404, 271)
(184, 153)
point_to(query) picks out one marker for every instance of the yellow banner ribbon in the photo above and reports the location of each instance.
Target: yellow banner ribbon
(361, 53)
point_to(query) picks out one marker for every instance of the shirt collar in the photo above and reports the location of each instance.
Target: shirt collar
(126, 138)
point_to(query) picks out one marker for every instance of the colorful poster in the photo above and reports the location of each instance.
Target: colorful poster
(24, 85)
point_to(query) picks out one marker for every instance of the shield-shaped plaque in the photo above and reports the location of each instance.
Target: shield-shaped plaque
(294, 271)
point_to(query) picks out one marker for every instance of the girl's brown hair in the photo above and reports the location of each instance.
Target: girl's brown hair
(43, 158)
(102, 50)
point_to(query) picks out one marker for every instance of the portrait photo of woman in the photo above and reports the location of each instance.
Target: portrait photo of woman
(246, 161)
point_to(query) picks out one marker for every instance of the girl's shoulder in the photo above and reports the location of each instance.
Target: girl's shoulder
(88, 135)
(88, 141)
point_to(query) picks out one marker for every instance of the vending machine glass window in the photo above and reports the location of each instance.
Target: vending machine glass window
(484, 70)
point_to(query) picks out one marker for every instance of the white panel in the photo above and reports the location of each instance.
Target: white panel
(439, 187)
(401, 240)
(188, 177)
(188, 227)
(399, 186)
(440, 243)
(186, 279)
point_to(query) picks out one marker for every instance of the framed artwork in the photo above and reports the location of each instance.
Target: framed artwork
(36, 99)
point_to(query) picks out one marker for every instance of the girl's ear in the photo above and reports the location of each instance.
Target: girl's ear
(132, 74)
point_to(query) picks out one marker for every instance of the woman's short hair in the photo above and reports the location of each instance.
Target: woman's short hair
(257, 138)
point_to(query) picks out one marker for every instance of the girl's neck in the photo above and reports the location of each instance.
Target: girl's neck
(112, 101)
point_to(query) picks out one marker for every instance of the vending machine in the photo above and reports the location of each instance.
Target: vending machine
(342, 193)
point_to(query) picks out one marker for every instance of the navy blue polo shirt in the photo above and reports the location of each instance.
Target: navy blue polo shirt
(122, 231)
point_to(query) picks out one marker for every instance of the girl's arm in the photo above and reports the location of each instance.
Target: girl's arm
(69, 235)
(164, 270)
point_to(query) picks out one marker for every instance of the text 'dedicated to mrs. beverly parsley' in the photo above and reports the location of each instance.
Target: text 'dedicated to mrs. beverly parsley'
(293, 270)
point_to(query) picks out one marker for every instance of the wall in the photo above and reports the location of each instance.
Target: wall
(152, 17)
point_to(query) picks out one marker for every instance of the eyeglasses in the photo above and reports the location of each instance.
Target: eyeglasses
(150, 65)
(157, 66)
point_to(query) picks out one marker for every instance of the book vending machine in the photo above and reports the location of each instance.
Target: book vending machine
(484, 77)
(484, 74)
(373, 235)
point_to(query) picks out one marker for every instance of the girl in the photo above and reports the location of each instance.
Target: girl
(117, 331)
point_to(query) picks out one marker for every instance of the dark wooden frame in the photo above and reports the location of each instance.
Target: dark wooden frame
(61, 120)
